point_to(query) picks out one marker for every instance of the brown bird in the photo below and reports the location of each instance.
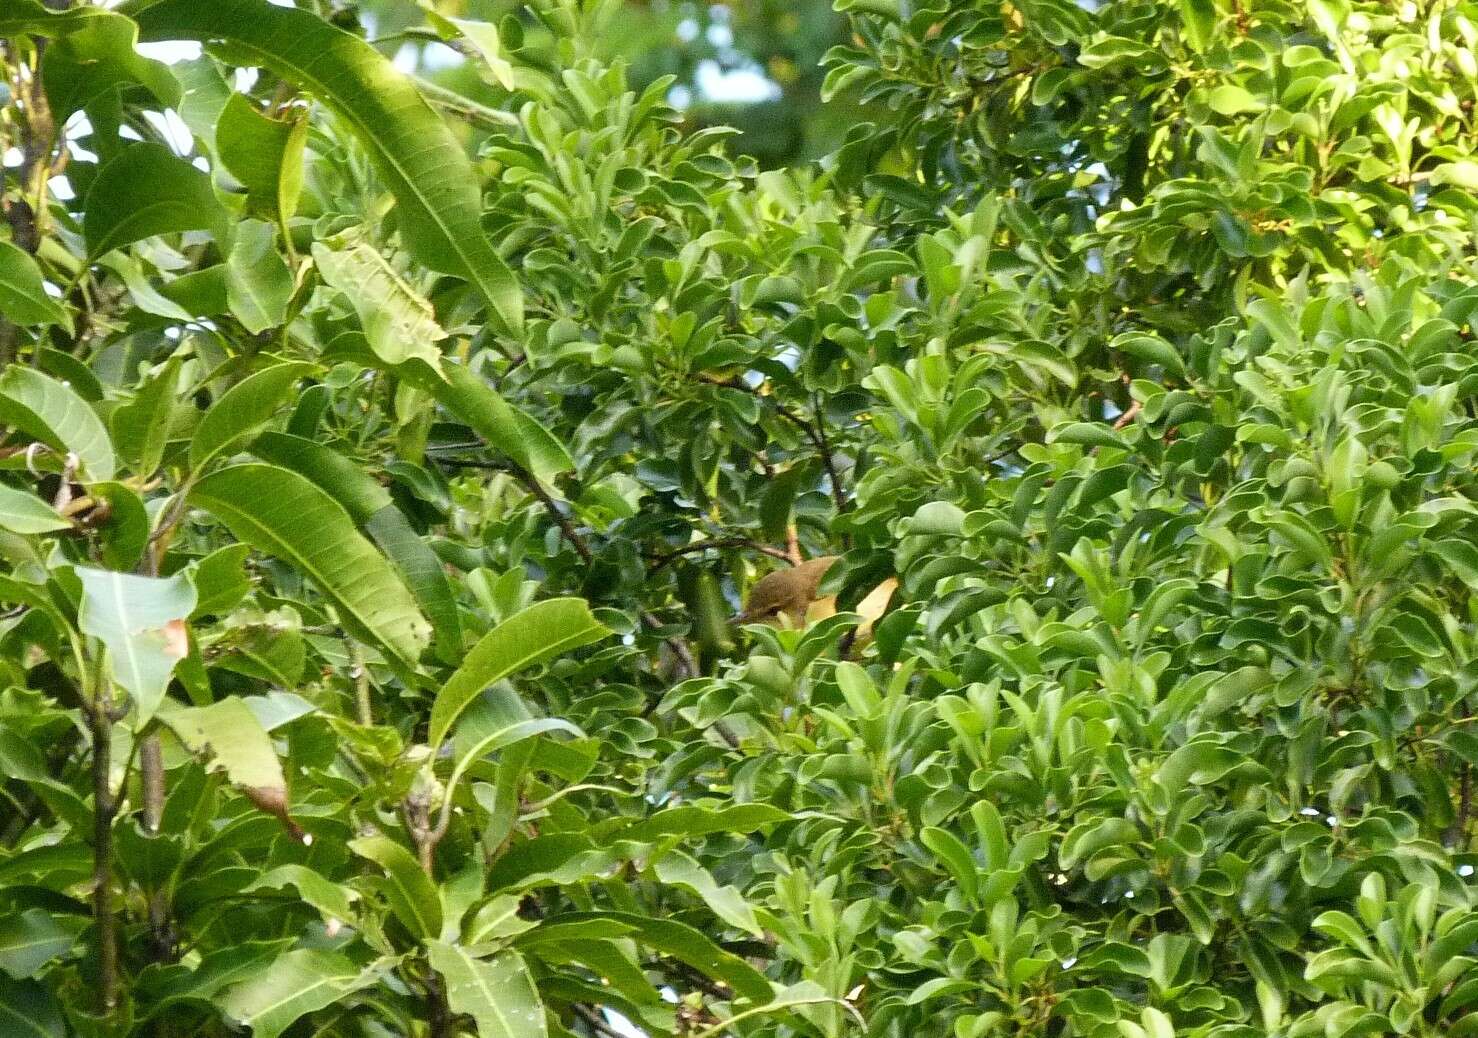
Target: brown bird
(791, 593)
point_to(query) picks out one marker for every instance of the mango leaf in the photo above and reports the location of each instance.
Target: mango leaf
(504, 427)
(31, 939)
(283, 514)
(228, 733)
(25, 513)
(333, 900)
(220, 580)
(34, 17)
(325, 467)
(294, 984)
(440, 203)
(28, 1010)
(373, 511)
(23, 298)
(543, 630)
(423, 573)
(413, 897)
(146, 190)
(217, 970)
(98, 58)
(264, 153)
(497, 992)
(141, 620)
(397, 320)
(141, 426)
(259, 284)
(242, 410)
(495, 720)
(484, 39)
(691, 946)
(50, 411)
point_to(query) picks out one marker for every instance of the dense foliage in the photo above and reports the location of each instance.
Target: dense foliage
(379, 526)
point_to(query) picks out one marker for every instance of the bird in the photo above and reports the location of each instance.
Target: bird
(790, 593)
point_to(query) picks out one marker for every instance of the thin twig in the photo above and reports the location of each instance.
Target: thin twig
(459, 104)
(102, 855)
(715, 543)
(597, 1024)
(577, 541)
(815, 433)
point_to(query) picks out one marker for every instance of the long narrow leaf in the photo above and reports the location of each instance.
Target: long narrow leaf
(283, 514)
(430, 175)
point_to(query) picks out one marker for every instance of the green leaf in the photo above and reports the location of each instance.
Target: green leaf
(264, 154)
(1230, 99)
(259, 284)
(25, 513)
(1198, 19)
(296, 983)
(397, 320)
(676, 869)
(285, 515)
(484, 38)
(692, 820)
(1153, 349)
(372, 510)
(691, 946)
(141, 620)
(543, 630)
(423, 573)
(955, 857)
(434, 183)
(497, 992)
(229, 734)
(32, 16)
(1463, 174)
(28, 1010)
(141, 426)
(126, 533)
(31, 939)
(147, 190)
(23, 298)
(99, 58)
(1089, 434)
(242, 410)
(49, 411)
(217, 970)
(220, 581)
(332, 900)
(504, 427)
(413, 897)
(497, 719)
(325, 467)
